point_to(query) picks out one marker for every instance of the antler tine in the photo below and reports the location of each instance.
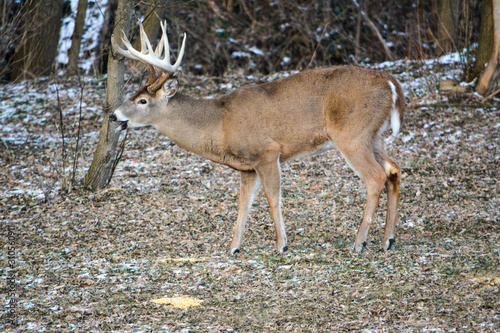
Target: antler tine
(147, 55)
(146, 47)
(163, 45)
(181, 53)
(121, 51)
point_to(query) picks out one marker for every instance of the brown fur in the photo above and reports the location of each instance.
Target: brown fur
(255, 128)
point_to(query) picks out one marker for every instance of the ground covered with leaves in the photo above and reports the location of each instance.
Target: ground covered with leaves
(150, 252)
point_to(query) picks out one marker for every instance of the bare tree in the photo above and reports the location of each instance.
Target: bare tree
(485, 45)
(76, 38)
(11, 18)
(489, 81)
(100, 171)
(37, 53)
(101, 60)
(448, 11)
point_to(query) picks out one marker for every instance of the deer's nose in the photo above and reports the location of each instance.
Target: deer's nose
(112, 117)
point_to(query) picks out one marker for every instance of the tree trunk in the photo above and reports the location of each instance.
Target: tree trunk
(448, 11)
(76, 38)
(489, 81)
(485, 44)
(100, 171)
(151, 22)
(101, 58)
(36, 55)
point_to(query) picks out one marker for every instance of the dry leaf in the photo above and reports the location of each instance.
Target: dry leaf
(178, 302)
(87, 283)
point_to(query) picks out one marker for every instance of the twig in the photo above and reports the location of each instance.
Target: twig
(61, 129)
(374, 29)
(414, 104)
(490, 96)
(358, 33)
(117, 158)
(293, 38)
(317, 46)
(75, 159)
(245, 9)
(153, 10)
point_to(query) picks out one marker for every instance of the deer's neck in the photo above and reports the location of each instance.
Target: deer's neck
(195, 125)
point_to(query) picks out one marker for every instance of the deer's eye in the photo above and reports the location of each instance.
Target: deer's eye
(143, 101)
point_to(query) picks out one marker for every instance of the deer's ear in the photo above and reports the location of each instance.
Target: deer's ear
(171, 86)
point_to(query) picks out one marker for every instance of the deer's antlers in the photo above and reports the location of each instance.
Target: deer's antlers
(158, 59)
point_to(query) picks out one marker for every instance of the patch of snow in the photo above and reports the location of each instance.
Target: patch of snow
(239, 54)
(256, 51)
(286, 61)
(451, 58)
(94, 21)
(67, 28)
(408, 138)
(31, 326)
(36, 194)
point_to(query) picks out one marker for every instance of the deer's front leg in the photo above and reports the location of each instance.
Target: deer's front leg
(270, 176)
(249, 185)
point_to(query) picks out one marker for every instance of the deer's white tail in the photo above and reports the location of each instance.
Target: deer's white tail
(395, 118)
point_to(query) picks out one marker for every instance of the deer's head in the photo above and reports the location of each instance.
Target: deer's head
(142, 107)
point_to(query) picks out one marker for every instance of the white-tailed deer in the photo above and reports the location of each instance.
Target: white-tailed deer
(254, 129)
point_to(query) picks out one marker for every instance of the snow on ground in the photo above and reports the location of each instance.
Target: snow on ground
(89, 260)
(28, 105)
(441, 276)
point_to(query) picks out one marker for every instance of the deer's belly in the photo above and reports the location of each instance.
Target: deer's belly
(327, 145)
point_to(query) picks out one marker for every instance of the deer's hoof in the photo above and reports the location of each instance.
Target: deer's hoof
(282, 249)
(358, 248)
(388, 244)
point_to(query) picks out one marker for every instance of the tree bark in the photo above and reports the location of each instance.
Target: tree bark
(448, 11)
(101, 59)
(76, 38)
(489, 81)
(36, 55)
(100, 171)
(485, 43)
(151, 22)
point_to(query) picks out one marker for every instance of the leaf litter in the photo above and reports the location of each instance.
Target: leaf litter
(178, 302)
(95, 261)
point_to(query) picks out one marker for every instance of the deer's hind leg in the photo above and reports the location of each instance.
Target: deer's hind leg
(393, 173)
(363, 160)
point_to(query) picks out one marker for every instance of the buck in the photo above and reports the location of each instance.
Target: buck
(256, 128)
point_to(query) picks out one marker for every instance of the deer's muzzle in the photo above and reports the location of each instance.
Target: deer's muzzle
(122, 125)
